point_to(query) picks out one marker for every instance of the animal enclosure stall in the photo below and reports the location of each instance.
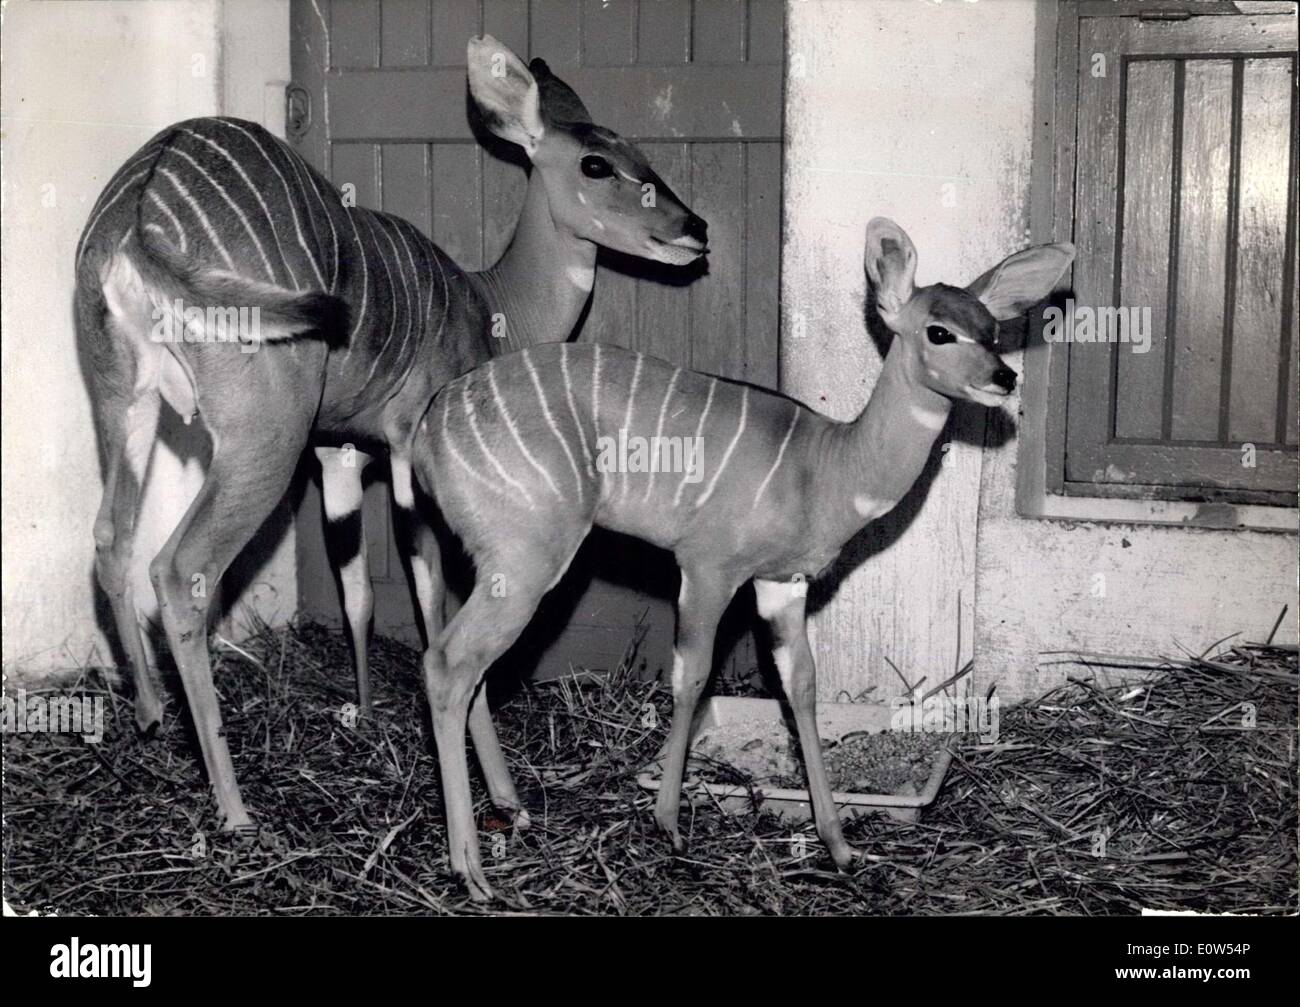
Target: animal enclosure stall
(650, 457)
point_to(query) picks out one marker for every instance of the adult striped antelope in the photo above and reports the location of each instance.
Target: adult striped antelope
(529, 451)
(358, 320)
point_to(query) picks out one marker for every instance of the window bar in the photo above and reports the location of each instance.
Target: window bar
(1288, 276)
(1117, 258)
(1175, 222)
(1230, 253)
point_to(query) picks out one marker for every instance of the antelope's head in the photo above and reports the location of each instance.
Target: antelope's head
(600, 185)
(950, 333)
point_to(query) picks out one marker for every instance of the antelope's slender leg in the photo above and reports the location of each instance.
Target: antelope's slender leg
(345, 538)
(479, 634)
(453, 668)
(114, 541)
(782, 605)
(435, 600)
(253, 459)
(701, 601)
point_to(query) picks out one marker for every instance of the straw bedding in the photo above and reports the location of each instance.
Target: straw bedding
(1175, 791)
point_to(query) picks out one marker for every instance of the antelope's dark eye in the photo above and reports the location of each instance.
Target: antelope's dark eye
(595, 166)
(938, 335)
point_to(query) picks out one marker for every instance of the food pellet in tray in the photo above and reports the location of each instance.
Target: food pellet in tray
(764, 752)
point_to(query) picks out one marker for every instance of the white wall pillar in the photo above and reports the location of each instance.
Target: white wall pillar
(920, 112)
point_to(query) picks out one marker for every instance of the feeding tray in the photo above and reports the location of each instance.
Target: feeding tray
(752, 736)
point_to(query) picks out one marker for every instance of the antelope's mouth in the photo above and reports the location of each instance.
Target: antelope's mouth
(986, 395)
(678, 252)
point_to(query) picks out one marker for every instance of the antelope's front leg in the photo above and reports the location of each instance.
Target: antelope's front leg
(781, 603)
(700, 604)
(345, 542)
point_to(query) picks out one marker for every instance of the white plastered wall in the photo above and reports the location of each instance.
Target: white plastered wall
(923, 112)
(84, 85)
(919, 112)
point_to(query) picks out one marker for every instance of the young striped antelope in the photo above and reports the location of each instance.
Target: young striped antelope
(530, 451)
(351, 320)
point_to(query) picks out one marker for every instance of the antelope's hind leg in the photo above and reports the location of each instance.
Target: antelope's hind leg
(254, 454)
(113, 317)
(509, 585)
(436, 604)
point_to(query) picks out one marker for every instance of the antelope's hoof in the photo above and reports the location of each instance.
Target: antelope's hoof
(521, 819)
(669, 829)
(148, 715)
(844, 855)
(480, 892)
(239, 824)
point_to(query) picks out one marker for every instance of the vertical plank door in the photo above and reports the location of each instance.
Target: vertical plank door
(697, 83)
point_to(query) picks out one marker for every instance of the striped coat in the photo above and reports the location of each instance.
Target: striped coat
(224, 195)
(582, 434)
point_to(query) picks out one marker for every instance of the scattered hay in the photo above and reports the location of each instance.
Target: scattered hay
(1095, 799)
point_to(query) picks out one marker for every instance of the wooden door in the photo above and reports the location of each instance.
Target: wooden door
(1185, 219)
(698, 86)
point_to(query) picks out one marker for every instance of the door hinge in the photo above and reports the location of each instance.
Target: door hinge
(297, 111)
(1165, 15)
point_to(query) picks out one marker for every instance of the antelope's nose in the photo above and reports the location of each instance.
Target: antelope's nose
(1005, 378)
(696, 227)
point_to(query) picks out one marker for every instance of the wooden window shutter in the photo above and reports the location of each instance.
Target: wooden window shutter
(1185, 220)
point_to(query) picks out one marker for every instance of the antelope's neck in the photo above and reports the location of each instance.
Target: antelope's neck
(541, 283)
(874, 460)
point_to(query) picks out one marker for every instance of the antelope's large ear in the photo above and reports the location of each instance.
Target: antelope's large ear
(890, 261)
(1021, 280)
(560, 103)
(505, 92)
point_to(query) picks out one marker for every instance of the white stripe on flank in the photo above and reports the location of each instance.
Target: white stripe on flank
(297, 225)
(415, 278)
(514, 430)
(546, 411)
(699, 432)
(203, 218)
(85, 237)
(627, 413)
(779, 455)
(573, 409)
(446, 293)
(365, 283)
(167, 210)
(659, 430)
(451, 448)
(101, 204)
(334, 235)
(308, 212)
(392, 290)
(270, 272)
(740, 429)
(478, 436)
(270, 221)
(406, 291)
